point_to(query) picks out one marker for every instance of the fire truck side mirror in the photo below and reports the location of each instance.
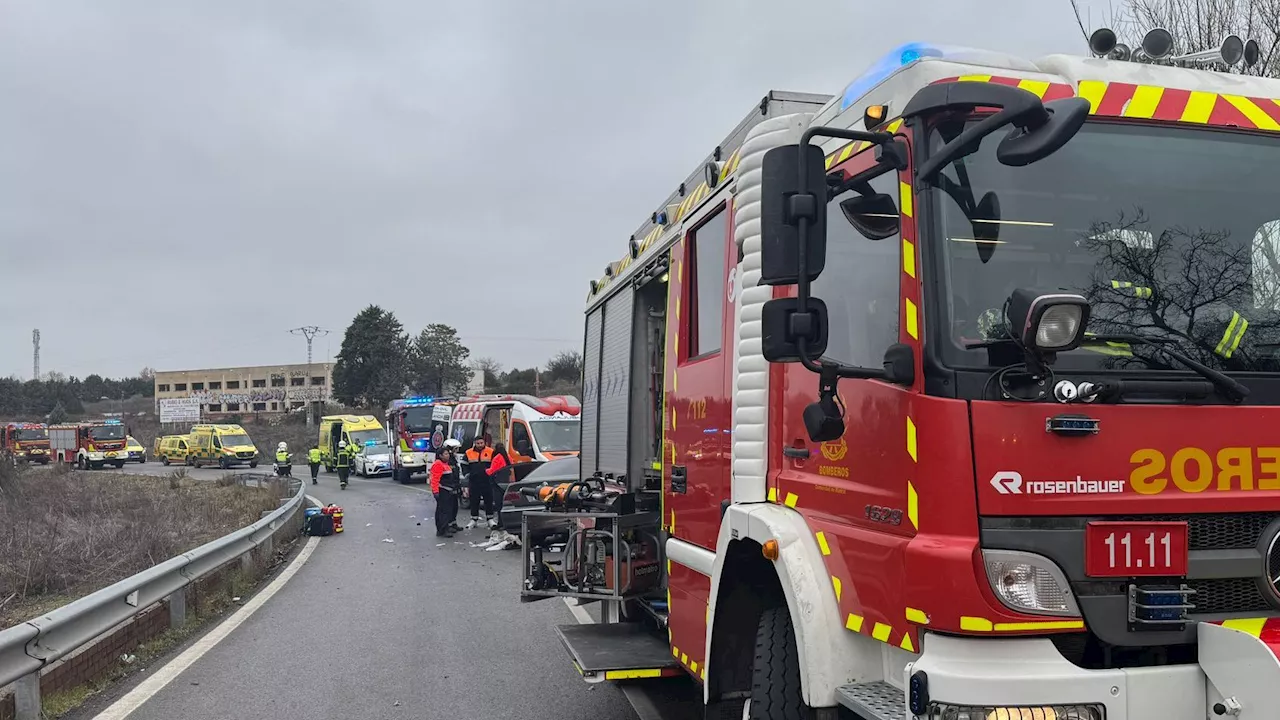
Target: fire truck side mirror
(782, 325)
(786, 198)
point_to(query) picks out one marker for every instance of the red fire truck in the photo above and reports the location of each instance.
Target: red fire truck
(25, 443)
(952, 396)
(416, 428)
(89, 445)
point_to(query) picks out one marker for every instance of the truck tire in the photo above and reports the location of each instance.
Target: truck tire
(253, 463)
(775, 673)
(118, 464)
(399, 475)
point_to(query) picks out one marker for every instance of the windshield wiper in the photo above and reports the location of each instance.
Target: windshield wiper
(1230, 387)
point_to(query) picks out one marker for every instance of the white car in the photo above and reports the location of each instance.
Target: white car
(373, 460)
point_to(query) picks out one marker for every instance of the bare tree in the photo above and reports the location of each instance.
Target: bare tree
(1200, 24)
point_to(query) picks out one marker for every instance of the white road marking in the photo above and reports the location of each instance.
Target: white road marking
(136, 697)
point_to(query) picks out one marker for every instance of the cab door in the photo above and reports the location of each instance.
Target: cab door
(697, 422)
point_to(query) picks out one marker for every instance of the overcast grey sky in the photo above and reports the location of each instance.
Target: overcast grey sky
(183, 181)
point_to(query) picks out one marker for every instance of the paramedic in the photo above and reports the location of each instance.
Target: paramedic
(499, 473)
(478, 484)
(313, 459)
(445, 487)
(342, 461)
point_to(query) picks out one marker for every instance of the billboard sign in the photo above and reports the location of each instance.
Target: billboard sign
(180, 410)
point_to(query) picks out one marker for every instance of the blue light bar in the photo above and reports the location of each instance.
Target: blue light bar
(420, 443)
(370, 443)
(111, 421)
(887, 65)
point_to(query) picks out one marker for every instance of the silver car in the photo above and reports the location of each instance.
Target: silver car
(373, 460)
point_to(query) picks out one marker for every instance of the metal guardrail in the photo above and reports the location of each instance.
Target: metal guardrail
(26, 648)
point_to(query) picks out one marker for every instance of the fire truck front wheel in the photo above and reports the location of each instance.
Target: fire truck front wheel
(775, 672)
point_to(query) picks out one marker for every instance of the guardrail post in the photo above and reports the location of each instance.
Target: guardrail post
(26, 697)
(178, 608)
(246, 561)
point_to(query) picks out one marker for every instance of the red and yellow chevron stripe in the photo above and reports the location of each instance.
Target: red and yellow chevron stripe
(1265, 629)
(1150, 102)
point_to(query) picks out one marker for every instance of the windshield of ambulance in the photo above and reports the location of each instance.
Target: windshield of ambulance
(235, 440)
(1168, 232)
(557, 435)
(107, 432)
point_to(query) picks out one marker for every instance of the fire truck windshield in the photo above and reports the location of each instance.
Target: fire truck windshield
(1170, 232)
(107, 432)
(557, 435)
(418, 419)
(31, 434)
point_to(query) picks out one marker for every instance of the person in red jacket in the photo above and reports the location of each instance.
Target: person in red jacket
(499, 472)
(445, 487)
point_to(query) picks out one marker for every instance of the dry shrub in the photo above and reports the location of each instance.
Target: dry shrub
(228, 480)
(68, 535)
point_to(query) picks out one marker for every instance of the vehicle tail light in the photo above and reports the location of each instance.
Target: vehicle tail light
(511, 496)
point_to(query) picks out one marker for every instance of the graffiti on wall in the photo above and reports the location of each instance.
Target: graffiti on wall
(260, 395)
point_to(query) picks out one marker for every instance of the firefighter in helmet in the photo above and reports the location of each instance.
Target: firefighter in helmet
(342, 461)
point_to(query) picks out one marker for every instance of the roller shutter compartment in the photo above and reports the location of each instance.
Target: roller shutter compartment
(591, 392)
(615, 383)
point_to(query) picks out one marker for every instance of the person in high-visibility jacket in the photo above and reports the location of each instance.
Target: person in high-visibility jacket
(284, 459)
(342, 461)
(313, 459)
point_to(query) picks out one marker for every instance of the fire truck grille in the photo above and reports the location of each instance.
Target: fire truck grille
(1217, 532)
(1229, 595)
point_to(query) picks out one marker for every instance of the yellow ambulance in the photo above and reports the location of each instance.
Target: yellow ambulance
(358, 430)
(221, 445)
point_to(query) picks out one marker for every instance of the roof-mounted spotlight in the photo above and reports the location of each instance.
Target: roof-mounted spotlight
(595, 286)
(659, 217)
(608, 270)
(715, 154)
(635, 248)
(711, 172)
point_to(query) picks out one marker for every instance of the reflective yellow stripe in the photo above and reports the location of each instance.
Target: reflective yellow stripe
(913, 506)
(1199, 107)
(1232, 336)
(822, 542)
(893, 126)
(906, 643)
(1092, 90)
(976, 623)
(1252, 626)
(1045, 625)
(854, 623)
(632, 674)
(917, 616)
(1039, 87)
(881, 632)
(835, 584)
(913, 327)
(911, 439)
(1144, 101)
(773, 494)
(791, 500)
(1255, 114)
(908, 257)
(904, 199)
(974, 78)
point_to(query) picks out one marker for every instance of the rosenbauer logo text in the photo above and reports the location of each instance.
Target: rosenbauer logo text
(1008, 482)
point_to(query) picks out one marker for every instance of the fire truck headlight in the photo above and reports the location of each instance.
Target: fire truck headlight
(1029, 583)
(947, 711)
(1049, 322)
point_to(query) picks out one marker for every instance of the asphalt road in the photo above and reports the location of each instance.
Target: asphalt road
(416, 628)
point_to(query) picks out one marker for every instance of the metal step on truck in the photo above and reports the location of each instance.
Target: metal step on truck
(951, 397)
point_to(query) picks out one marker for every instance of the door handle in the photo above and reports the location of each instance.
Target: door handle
(679, 479)
(799, 453)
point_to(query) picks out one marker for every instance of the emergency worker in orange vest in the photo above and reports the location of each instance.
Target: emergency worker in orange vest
(479, 487)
